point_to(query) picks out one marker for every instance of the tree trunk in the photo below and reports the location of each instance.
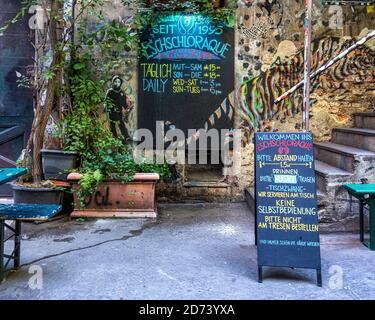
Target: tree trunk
(43, 112)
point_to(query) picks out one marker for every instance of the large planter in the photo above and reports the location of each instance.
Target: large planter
(29, 195)
(57, 164)
(114, 199)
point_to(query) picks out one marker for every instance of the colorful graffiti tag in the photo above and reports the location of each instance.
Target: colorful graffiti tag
(255, 98)
(185, 37)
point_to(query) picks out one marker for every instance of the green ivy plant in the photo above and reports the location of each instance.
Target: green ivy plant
(84, 130)
(113, 163)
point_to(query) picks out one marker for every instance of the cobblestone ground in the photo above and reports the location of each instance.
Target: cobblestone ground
(190, 252)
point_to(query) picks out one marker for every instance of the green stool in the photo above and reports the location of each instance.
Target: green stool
(365, 193)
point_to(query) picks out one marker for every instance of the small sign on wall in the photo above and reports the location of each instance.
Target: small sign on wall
(287, 229)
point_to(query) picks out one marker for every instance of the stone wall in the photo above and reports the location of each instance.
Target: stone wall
(270, 40)
(269, 60)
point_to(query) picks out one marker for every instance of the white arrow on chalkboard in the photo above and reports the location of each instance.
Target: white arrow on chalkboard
(308, 164)
(285, 164)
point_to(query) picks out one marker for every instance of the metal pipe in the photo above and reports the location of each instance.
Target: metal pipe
(327, 65)
(307, 67)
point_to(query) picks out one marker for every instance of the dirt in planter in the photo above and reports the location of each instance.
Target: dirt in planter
(44, 184)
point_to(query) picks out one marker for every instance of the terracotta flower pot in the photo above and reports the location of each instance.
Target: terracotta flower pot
(114, 199)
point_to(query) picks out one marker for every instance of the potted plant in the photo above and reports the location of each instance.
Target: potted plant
(54, 48)
(115, 199)
(64, 81)
(47, 85)
(122, 194)
(111, 184)
(108, 181)
(57, 163)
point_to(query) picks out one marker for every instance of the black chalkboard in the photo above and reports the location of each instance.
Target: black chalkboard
(185, 72)
(286, 202)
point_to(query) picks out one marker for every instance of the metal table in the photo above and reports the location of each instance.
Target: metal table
(365, 193)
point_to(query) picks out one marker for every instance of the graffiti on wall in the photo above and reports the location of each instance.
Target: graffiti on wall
(118, 67)
(259, 29)
(259, 25)
(255, 105)
(118, 109)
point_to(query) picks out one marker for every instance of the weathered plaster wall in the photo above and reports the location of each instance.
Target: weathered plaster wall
(269, 60)
(119, 63)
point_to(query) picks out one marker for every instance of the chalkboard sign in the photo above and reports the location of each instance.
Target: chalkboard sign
(185, 71)
(286, 204)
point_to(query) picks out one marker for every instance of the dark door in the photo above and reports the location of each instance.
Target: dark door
(16, 103)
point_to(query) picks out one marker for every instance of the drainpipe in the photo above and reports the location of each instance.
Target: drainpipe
(307, 67)
(327, 65)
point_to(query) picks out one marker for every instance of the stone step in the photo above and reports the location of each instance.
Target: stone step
(342, 156)
(327, 175)
(320, 195)
(204, 173)
(250, 198)
(205, 184)
(364, 120)
(355, 137)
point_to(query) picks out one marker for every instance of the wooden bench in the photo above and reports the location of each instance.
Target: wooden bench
(19, 213)
(365, 193)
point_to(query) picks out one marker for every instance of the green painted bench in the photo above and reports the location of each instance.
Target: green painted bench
(365, 193)
(19, 213)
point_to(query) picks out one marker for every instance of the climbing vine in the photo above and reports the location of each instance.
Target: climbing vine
(72, 67)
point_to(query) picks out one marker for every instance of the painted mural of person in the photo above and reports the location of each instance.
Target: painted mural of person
(118, 109)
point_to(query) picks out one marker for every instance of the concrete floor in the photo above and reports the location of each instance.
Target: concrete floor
(190, 252)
